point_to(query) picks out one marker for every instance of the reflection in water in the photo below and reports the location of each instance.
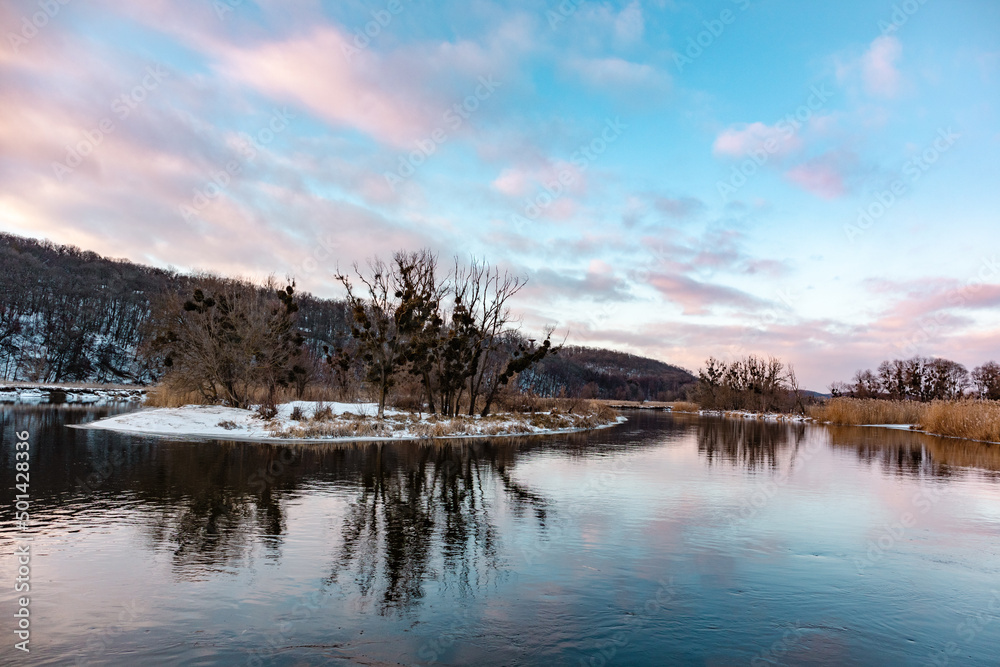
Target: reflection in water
(418, 533)
(748, 443)
(908, 453)
(417, 508)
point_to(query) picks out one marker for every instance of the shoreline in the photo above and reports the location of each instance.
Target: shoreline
(338, 422)
(58, 393)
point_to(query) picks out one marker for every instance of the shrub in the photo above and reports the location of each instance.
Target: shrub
(322, 412)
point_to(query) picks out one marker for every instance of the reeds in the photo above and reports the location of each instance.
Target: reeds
(858, 411)
(970, 419)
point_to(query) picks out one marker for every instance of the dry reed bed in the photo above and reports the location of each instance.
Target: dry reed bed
(970, 419)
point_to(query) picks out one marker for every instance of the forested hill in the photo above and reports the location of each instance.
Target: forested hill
(72, 315)
(598, 373)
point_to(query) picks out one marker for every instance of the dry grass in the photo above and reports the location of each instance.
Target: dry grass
(685, 406)
(858, 411)
(970, 419)
(590, 414)
(975, 420)
(166, 396)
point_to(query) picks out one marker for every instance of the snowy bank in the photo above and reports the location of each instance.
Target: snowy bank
(758, 416)
(58, 394)
(313, 421)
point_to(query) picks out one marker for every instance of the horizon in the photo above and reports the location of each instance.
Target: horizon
(595, 148)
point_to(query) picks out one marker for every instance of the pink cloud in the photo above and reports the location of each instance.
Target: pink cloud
(527, 180)
(359, 92)
(819, 177)
(878, 66)
(696, 298)
(740, 140)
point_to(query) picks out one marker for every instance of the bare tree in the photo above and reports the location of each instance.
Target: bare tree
(986, 379)
(395, 309)
(229, 339)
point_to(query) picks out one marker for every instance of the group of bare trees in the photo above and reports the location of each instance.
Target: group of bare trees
(232, 341)
(751, 383)
(922, 379)
(453, 335)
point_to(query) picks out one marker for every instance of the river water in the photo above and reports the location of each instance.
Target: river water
(670, 539)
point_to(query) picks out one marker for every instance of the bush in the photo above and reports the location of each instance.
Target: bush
(322, 412)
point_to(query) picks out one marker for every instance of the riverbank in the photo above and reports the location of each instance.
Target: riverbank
(69, 392)
(306, 421)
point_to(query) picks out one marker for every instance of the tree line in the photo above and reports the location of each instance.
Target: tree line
(753, 383)
(922, 379)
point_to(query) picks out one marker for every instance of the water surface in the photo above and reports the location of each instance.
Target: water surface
(671, 539)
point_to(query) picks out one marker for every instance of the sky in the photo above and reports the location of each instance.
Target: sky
(813, 181)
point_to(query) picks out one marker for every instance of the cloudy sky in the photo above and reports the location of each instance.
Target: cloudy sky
(817, 181)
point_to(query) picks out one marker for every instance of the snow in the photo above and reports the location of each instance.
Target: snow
(42, 393)
(761, 416)
(350, 422)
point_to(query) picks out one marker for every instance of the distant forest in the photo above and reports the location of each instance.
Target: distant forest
(72, 315)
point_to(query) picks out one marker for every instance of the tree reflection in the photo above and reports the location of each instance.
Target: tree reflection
(907, 453)
(423, 513)
(748, 443)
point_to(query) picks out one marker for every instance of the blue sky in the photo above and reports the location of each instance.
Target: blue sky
(676, 179)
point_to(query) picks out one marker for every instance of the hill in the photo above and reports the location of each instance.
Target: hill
(71, 315)
(598, 373)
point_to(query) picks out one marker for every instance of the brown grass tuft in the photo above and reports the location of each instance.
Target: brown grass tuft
(167, 396)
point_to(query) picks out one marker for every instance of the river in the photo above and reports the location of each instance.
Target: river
(670, 539)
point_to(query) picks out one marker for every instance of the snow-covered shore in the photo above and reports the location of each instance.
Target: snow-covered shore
(34, 393)
(332, 422)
